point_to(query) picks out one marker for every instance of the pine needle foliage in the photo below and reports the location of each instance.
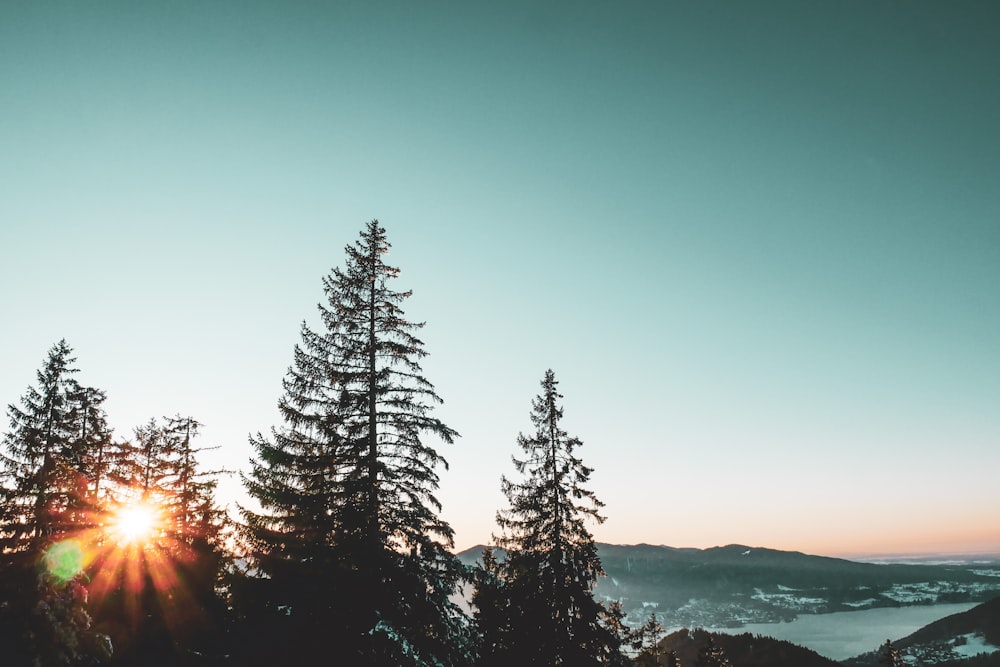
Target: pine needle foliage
(348, 538)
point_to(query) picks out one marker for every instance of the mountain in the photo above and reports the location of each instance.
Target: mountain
(736, 584)
(744, 650)
(955, 639)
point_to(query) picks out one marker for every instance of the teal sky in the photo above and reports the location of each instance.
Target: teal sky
(759, 243)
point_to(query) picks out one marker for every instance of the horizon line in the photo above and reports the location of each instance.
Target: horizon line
(864, 556)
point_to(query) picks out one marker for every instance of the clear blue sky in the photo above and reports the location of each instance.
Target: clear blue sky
(759, 243)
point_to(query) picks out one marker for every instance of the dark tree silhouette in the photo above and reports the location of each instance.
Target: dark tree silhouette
(347, 547)
(546, 580)
(712, 655)
(46, 463)
(92, 454)
(152, 465)
(889, 656)
(160, 597)
(647, 641)
(40, 488)
(613, 618)
(491, 611)
(190, 491)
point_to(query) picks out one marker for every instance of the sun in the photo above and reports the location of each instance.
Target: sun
(135, 524)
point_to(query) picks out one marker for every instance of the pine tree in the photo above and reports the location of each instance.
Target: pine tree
(189, 491)
(153, 466)
(621, 635)
(348, 540)
(39, 480)
(712, 655)
(491, 611)
(161, 593)
(92, 454)
(552, 564)
(45, 466)
(647, 641)
(88, 454)
(118, 469)
(889, 656)
(194, 611)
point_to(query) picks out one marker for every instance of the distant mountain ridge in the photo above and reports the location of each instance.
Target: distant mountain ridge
(736, 584)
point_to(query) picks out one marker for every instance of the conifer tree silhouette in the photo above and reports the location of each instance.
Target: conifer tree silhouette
(47, 461)
(348, 542)
(546, 580)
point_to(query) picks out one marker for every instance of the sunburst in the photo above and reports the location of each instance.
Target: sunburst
(135, 524)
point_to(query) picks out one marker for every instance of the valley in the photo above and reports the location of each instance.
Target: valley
(728, 587)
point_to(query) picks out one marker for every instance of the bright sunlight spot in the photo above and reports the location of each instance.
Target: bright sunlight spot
(135, 523)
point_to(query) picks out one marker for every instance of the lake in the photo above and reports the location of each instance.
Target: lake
(845, 634)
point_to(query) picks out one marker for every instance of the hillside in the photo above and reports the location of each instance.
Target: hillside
(732, 585)
(744, 650)
(951, 640)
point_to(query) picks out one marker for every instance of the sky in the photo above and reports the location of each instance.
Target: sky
(758, 243)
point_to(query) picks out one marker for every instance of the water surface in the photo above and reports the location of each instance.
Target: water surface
(845, 634)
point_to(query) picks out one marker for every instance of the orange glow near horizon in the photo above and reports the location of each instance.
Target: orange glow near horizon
(863, 532)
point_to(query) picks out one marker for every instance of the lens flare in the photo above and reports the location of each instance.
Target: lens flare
(64, 560)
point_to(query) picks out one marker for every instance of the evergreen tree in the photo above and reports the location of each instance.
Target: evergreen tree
(613, 619)
(88, 455)
(889, 656)
(38, 452)
(712, 655)
(153, 465)
(92, 454)
(194, 529)
(161, 593)
(118, 469)
(552, 564)
(348, 545)
(45, 466)
(647, 641)
(490, 610)
(188, 491)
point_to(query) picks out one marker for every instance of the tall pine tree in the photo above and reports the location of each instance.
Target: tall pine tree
(550, 616)
(46, 468)
(351, 556)
(38, 455)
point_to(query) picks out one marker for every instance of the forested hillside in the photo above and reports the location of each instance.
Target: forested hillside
(741, 650)
(969, 637)
(735, 584)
